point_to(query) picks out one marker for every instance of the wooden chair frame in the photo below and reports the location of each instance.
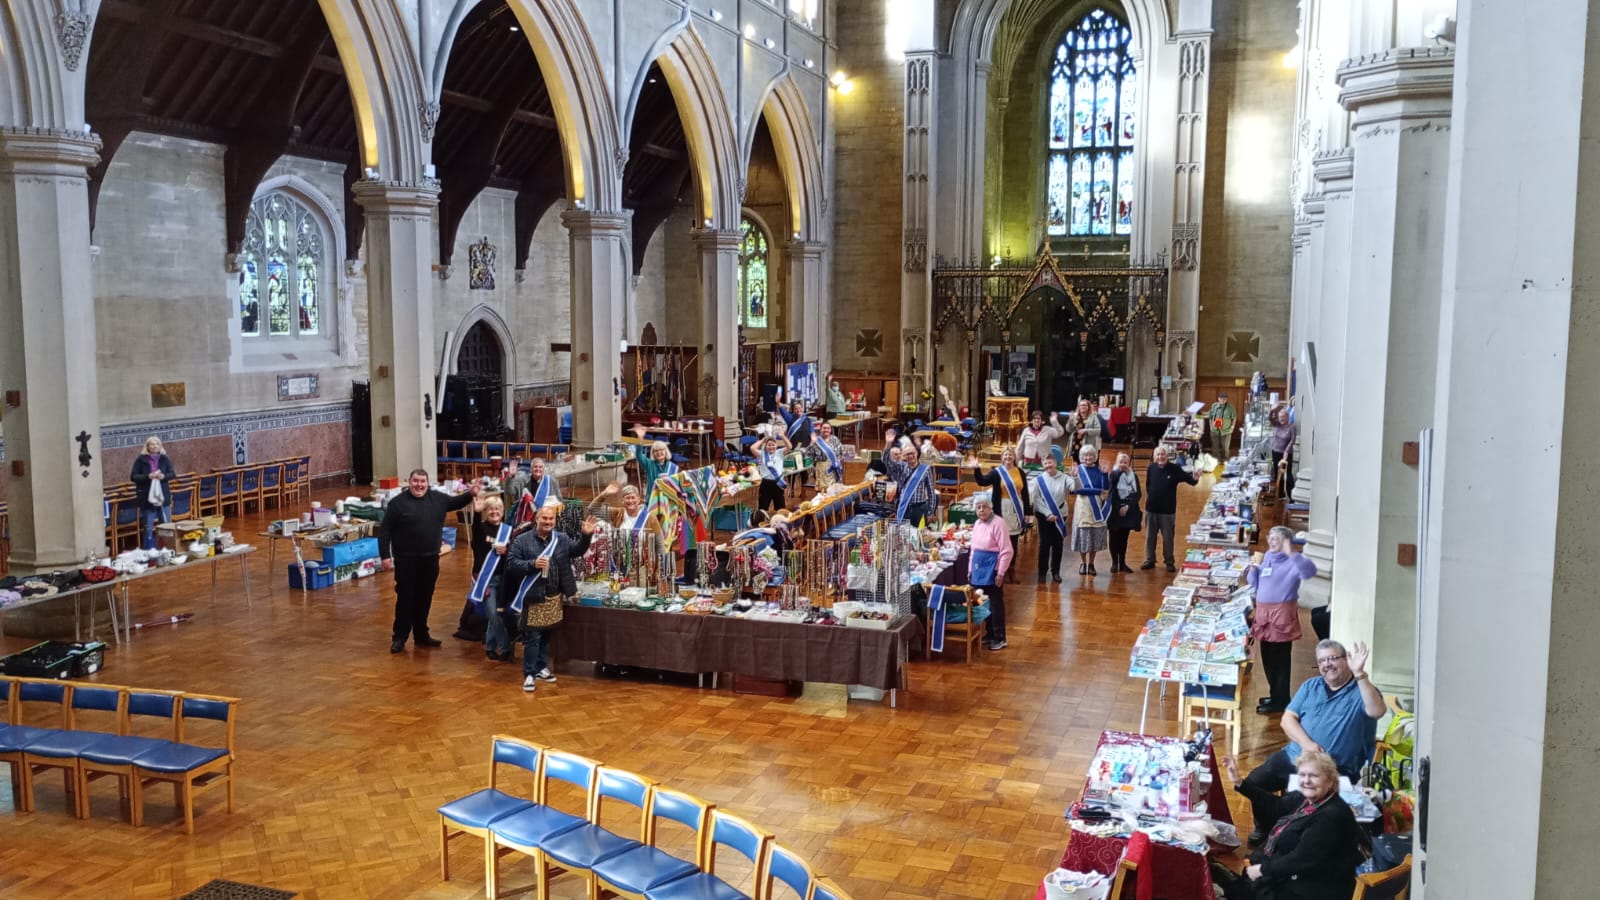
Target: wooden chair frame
(186, 784)
(446, 826)
(89, 770)
(1194, 711)
(1385, 879)
(702, 828)
(71, 766)
(968, 632)
(542, 865)
(22, 764)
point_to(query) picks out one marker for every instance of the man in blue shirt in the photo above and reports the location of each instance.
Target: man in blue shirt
(1337, 712)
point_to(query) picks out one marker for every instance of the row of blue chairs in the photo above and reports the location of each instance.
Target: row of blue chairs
(84, 752)
(631, 864)
(469, 459)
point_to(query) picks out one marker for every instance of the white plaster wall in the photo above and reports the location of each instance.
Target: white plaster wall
(161, 305)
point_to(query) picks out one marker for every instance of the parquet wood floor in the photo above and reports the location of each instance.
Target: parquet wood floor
(346, 751)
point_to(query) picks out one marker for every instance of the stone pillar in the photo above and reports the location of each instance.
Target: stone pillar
(1400, 100)
(1508, 690)
(1331, 290)
(1303, 309)
(47, 348)
(600, 276)
(1188, 193)
(719, 321)
(810, 319)
(916, 282)
(400, 342)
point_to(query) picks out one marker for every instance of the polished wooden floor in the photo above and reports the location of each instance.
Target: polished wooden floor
(345, 751)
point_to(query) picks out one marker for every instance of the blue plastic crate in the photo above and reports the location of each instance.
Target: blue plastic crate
(350, 552)
(319, 574)
(447, 537)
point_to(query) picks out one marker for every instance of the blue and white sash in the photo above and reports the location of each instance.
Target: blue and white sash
(542, 494)
(480, 585)
(639, 521)
(1010, 484)
(1091, 484)
(773, 463)
(670, 468)
(834, 465)
(936, 617)
(533, 577)
(909, 490)
(1050, 501)
(798, 425)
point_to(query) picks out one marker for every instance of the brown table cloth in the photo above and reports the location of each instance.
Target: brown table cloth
(778, 651)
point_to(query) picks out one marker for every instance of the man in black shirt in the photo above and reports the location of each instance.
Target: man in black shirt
(408, 542)
(1161, 505)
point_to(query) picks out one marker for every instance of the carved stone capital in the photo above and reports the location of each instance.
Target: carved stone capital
(428, 115)
(72, 32)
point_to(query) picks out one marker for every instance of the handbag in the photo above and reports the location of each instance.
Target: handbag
(544, 614)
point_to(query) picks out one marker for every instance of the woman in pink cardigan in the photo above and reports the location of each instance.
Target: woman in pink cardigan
(991, 557)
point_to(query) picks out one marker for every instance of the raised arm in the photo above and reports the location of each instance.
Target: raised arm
(1371, 698)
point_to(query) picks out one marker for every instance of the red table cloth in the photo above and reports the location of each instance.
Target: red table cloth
(1175, 873)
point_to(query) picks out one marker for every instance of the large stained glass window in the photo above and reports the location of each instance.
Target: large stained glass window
(281, 281)
(1089, 177)
(755, 303)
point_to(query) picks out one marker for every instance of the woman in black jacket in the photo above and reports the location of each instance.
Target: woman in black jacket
(1126, 516)
(152, 468)
(1312, 850)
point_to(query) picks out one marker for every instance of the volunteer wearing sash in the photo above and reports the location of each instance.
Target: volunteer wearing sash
(538, 570)
(491, 535)
(635, 515)
(653, 462)
(991, 557)
(915, 498)
(769, 461)
(1050, 504)
(1093, 509)
(1009, 495)
(1033, 446)
(152, 473)
(824, 454)
(1125, 515)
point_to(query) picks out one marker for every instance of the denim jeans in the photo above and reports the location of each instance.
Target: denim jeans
(535, 650)
(148, 517)
(496, 636)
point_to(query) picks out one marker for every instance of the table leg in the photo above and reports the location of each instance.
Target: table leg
(111, 606)
(244, 571)
(1143, 710)
(76, 636)
(891, 698)
(127, 615)
(214, 561)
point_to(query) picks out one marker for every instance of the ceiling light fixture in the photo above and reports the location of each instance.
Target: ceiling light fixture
(749, 30)
(515, 29)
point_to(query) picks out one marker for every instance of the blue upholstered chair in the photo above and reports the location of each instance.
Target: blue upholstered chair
(16, 737)
(641, 869)
(783, 867)
(228, 492)
(249, 488)
(209, 499)
(59, 749)
(184, 492)
(114, 754)
(584, 847)
(729, 831)
(190, 768)
(272, 483)
(526, 830)
(474, 813)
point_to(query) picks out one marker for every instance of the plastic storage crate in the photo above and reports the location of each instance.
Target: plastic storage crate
(56, 659)
(318, 573)
(350, 552)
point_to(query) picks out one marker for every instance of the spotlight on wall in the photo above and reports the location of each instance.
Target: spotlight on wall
(809, 63)
(749, 30)
(1291, 60)
(716, 15)
(515, 29)
(770, 43)
(842, 83)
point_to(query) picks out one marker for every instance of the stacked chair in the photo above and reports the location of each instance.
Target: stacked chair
(629, 863)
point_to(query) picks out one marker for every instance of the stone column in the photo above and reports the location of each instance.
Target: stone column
(917, 193)
(1303, 309)
(1508, 690)
(1331, 292)
(401, 348)
(719, 321)
(1189, 180)
(810, 319)
(600, 276)
(47, 348)
(1400, 100)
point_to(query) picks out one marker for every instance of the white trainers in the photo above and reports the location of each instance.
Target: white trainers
(547, 676)
(528, 686)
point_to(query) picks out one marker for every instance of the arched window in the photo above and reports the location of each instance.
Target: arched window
(1093, 110)
(283, 278)
(754, 300)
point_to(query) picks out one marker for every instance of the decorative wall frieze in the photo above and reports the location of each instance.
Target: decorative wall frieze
(72, 32)
(428, 116)
(916, 249)
(1186, 246)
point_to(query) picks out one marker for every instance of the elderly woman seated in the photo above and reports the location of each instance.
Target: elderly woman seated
(1312, 847)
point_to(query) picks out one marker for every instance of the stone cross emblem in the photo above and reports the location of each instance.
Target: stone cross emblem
(84, 456)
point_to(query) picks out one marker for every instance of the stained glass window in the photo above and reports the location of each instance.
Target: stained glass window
(281, 270)
(1093, 110)
(754, 300)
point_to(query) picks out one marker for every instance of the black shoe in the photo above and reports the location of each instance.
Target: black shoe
(1043, 576)
(1091, 570)
(396, 646)
(1269, 709)
(426, 641)
(1056, 578)
(507, 656)
(1083, 569)
(1172, 568)
(1263, 701)
(1148, 565)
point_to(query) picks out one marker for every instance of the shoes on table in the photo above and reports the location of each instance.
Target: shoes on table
(1148, 564)
(528, 685)
(429, 641)
(546, 676)
(396, 646)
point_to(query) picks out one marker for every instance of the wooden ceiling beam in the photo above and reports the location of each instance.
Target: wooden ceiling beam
(481, 105)
(464, 176)
(114, 101)
(133, 13)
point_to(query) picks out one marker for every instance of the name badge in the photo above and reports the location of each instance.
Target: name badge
(1267, 572)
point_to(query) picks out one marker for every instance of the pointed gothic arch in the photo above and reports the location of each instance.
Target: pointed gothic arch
(707, 122)
(794, 137)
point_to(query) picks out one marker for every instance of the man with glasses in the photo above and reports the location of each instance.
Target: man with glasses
(1337, 711)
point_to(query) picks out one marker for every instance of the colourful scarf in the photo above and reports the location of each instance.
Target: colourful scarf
(692, 494)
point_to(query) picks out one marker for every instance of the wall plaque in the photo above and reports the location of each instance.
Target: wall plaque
(165, 396)
(297, 387)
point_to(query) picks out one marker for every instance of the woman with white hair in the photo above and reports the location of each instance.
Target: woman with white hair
(1092, 509)
(1277, 576)
(987, 565)
(152, 474)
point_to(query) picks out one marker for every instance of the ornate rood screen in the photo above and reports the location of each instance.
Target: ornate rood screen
(1094, 309)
